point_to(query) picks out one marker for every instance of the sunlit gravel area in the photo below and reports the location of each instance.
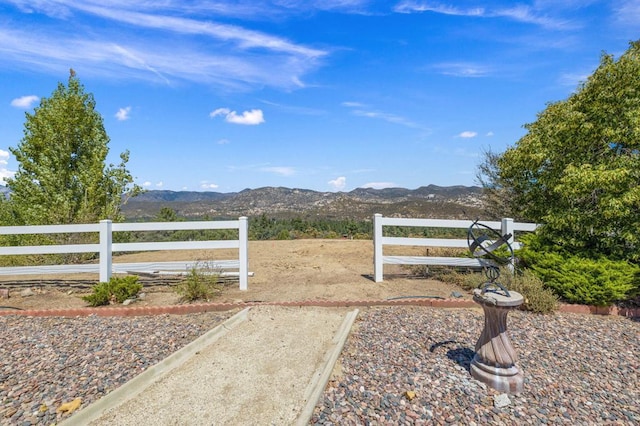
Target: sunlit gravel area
(579, 369)
(48, 361)
(401, 365)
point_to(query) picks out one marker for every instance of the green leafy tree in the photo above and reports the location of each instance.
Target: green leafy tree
(167, 214)
(577, 170)
(62, 175)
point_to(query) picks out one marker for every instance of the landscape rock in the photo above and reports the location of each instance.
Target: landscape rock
(502, 400)
(27, 292)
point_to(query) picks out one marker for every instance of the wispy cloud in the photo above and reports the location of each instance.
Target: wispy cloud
(251, 118)
(462, 69)
(518, 12)
(338, 183)
(362, 110)
(300, 110)
(123, 113)
(25, 102)
(125, 45)
(573, 79)
(280, 170)
(350, 104)
(628, 12)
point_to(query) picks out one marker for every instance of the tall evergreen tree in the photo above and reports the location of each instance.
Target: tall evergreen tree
(62, 175)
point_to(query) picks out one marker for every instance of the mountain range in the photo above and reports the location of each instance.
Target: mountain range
(450, 202)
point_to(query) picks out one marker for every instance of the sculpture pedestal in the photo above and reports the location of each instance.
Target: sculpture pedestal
(495, 360)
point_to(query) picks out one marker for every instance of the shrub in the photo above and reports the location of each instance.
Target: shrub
(200, 283)
(577, 279)
(537, 297)
(117, 289)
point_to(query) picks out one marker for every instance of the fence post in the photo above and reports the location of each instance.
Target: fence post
(506, 228)
(106, 239)
(243, 251)
(378, 266)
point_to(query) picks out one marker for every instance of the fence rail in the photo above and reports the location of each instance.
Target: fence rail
(506, 226)
(106, 247)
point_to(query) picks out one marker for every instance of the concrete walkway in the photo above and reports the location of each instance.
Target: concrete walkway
(266, 365)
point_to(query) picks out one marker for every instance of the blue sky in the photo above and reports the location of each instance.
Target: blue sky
(328, 95)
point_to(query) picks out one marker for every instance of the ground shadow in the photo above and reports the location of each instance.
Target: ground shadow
(461, 355)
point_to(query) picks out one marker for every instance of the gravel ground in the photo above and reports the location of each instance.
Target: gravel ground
(578, 370)
(48, 361)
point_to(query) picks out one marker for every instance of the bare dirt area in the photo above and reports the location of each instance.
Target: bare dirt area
(292, 270)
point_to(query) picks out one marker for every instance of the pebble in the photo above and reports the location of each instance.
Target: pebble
(47, 361)
(579, 369)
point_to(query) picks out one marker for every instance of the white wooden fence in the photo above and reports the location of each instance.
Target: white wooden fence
(506, 226)
(106, 247)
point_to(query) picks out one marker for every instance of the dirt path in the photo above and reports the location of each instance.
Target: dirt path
(283, 271)
(269, 363)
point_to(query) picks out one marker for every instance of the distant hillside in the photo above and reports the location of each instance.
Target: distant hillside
(361, 203)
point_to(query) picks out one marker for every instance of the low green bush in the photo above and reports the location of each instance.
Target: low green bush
(200, 283)
(576, 279)
(537, 297)
(117, 289)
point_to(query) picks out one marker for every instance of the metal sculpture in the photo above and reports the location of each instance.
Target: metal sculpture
(494, 362)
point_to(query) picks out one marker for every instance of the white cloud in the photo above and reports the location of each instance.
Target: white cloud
(379, 185)
(123, 113)
(208, 185)
(280, 170)
(4, 161)
(378, 115)
(628, 12)
(251, 118)
(338, 183)
(468, 134)
(25, 101)
(159, 184)
(462, 69)
(489, 134)
(214, 53)
(146, 184)
(223, 141)
(573, 79)
(518, 13)
(352, 104)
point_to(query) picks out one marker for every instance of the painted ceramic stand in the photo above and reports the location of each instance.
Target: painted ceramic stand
(495, 360)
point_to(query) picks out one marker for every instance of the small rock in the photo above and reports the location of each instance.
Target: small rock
(127, 302)
(142, 296)
(9, 412)
(456, 294)
(27, 292)
(501, 401)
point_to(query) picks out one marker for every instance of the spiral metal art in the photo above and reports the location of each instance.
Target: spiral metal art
(485, 242)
